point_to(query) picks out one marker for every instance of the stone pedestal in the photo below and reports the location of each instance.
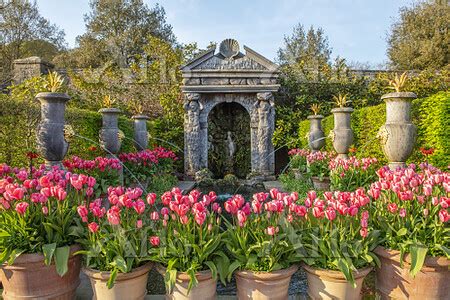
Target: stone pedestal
(342, 134)
(50, 133)
(140, 132)
(109, 134)
(398, 134)
(316, 136)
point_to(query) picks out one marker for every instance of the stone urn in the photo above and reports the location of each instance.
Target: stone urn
(109, 134)
(398, 134)
(50, 132)
(140, 132)
(316, 136)
(342, 133)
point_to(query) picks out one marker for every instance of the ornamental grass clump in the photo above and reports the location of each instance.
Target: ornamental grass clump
(335, 231)
(38, 215)
(187, 237)
(116, 239)
(411, 209)
(352, 173)
(258, 234)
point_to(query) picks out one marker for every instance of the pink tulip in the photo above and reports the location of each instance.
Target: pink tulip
(82, 212)
(113, 215)
(392, 207)
(93, 227)
(425, 212)
(139, 224)
(151, 198)
(139, 206)
(45, 210)
(200, 218)
(300, 210)
(184, 220)
(270, 230)
(444, 216)
(242, 218)
(402, 213)
(21, 208)
(154, 240)
(330, 213)
(363, 232)
(318, 212)
(257, 206)
(154, 216)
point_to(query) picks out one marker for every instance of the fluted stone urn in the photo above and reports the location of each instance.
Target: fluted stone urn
(140, 132)
(398, 134)
(109, 134)
(316, 136)
(50, 132)
(342, 133)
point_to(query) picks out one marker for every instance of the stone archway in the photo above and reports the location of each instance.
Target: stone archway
(229, 141)
(226, 77)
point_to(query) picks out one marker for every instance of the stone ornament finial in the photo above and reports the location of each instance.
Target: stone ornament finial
(229, 48)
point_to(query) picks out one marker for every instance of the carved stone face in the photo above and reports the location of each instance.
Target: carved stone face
(264, 96)
(192, 96)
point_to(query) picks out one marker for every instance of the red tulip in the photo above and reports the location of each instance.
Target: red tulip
(392, 207)
(139, 206)
(318, 212)
(154, 240)
(21, 207)
(114, 215)
(363, 232)
(82, 212)
(93, 227)
(151, 198)
(444, 216)
(154, 216)
(330, 213)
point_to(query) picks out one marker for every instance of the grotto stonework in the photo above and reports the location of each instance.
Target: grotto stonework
(229, 76)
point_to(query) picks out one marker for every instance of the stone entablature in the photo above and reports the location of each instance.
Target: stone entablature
(30, 67)
(229, 76)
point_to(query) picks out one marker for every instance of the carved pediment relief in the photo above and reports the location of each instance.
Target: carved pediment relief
(234, 63)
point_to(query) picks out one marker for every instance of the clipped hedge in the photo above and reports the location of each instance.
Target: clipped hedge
(431, 115)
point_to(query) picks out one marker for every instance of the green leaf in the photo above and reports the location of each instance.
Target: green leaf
(213, 268)
(418, 255)
(343, 266)
(62, 259)
(402, 231)
(14, 254)
(119, 263)
(235, 265)
(112, 278)
(48, 250)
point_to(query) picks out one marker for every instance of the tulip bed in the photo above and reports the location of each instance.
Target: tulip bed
(46, 210)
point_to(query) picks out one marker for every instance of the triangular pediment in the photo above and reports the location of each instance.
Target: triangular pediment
(224, 59)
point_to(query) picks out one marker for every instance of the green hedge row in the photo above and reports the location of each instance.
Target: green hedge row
(431, 115)
(18, 123)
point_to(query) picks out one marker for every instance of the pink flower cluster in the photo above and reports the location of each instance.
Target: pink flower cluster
(426, 189)
(301, 152)
(148, 157)
(101, 164)
(55, 184)
(20, 174)
(352, 163)
(319, 156)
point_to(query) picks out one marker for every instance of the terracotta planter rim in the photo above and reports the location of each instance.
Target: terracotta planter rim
(30, 258)
(140, 117)
(342, 110)
(430, 261)
(336, 275)
(104, 275)
(54, 97)
(268, 276)
(183, 276)
(315, 117)
(399, 95)
(111, 110)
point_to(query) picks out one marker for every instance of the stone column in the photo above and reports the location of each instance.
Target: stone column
(50, 132)
(316, 136)
(192, 153)
(398, 134)
(109, 134)
(342, 134)
(140, 132)
(265, 132)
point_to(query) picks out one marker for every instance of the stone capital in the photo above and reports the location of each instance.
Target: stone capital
(191, 96)
(266, 96)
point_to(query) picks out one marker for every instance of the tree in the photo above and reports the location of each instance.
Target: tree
(420, 39)
(118, 30)
(22, 33)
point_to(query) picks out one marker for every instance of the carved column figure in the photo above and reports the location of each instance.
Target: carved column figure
(192, 133)
(265, 129)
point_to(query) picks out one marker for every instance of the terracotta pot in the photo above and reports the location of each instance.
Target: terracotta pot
(264, 285)
(130, 286)
(322, 185)
(205, 289)
(327, 284)
(30, 278)
(393, 281)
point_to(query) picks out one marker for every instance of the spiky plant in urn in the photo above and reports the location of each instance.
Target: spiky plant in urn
(110, 133)
(316, 136)
(51, 129)
(398, 134)
(342, 133)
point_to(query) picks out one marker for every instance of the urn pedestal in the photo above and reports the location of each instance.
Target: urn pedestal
(109, 134)
(398, 134)
(140, 132)
(50, 132)
(342, 134)
(316, 136)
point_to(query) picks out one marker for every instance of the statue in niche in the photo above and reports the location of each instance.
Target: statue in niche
(192, 127)
(264, 130)
(231, 146)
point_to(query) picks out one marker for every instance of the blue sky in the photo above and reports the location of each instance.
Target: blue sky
(356, 29)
